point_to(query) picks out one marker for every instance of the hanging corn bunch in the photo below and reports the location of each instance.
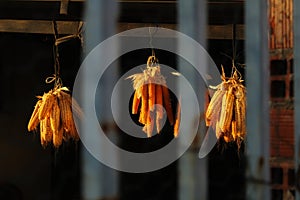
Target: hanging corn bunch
(151, 93)
(52, 114)
(226, 111)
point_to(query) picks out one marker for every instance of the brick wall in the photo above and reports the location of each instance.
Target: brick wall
(282, 133)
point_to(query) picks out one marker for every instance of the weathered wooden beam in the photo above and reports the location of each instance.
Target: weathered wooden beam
(223, 32)
(64, 4)
(127, 26)
(38, 26)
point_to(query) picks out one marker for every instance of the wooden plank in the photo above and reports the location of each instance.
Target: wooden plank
(38, 26)
(128, 26)
(215, 32)
(223, 32)
(64, 7)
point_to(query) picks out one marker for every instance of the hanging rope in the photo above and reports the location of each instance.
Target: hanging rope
(55, 78)
(152, 60)
(78, 35)
(151, 39)
(57, 41)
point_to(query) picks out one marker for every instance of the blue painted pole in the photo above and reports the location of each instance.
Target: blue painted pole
(193, 171)
(257, 82)
(98, 180)
(296, 90)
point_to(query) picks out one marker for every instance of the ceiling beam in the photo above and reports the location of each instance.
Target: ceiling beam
(222, 32)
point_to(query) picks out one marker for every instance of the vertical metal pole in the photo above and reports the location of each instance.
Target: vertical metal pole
(98, 181)
(296, 91)
(257, 82)
(192, 170)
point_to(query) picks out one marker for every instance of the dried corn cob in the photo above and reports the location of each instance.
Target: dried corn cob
(73, 131)
(233, 130)
(214, 107)
(159, 107)
(58, 137)
(73, 104)
(49, 132)
(47, 101)
(218, 130)
(135, 103)
(151, 92)
(167, 104)
(55, 116)
(34, 119)
(45, 131)
(240, 111)
(226, 111)
(144, 106)
(66, 112)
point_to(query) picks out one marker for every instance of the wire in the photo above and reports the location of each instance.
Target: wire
(151, 39)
